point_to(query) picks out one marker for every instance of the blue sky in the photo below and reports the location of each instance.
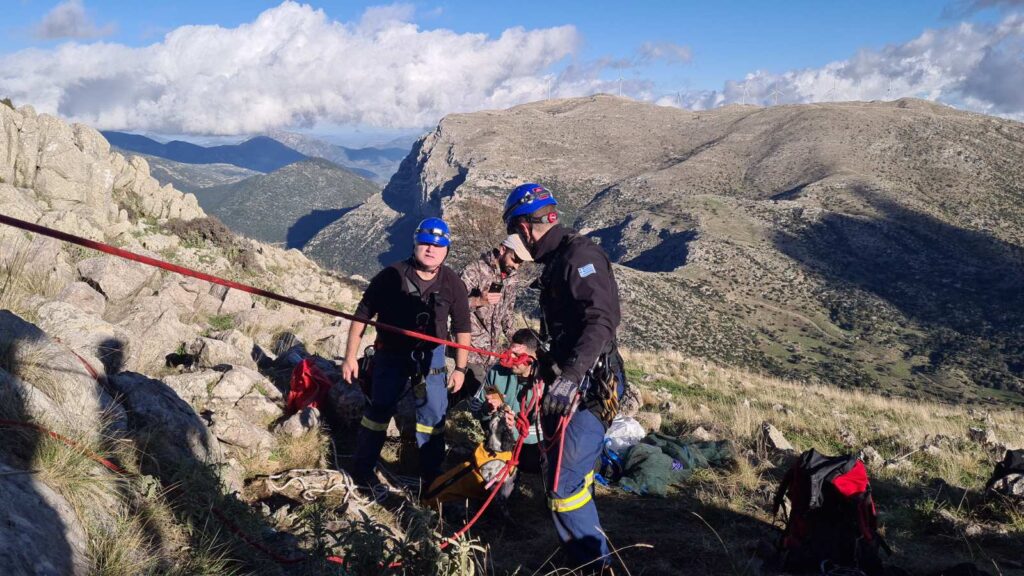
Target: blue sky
(126, 64)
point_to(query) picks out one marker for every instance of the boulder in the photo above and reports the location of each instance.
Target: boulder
(115, 277)
(238, 382)
(155, 332)
(84, 297)
(237, 340)
(774, 439)
(651, 421)
(53, 386)
(700, 434)
(88, 335)
(212, 353)
(170, 434)
(985, 436)
(28, 147)
(871, 457)
(257, 407)
(235, 301)
(194, 387)
(17, 204)
(232, 427)
(39, 530)
(301, 422)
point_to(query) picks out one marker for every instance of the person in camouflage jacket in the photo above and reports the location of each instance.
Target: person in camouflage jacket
(492, 312)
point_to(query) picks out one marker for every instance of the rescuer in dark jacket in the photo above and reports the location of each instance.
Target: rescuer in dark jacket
(582, 369)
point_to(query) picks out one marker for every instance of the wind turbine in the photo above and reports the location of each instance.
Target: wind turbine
(775, 94)
(549, 88)
(620, 86)
(744, 101)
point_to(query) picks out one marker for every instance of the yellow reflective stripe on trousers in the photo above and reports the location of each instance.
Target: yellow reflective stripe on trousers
(424, 429)
(375, 426)
(577, 500)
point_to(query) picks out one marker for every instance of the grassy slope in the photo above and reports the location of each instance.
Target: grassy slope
(930, 504)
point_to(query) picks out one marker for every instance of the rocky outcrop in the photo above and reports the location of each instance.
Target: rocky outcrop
(77, 183)
(39, 530)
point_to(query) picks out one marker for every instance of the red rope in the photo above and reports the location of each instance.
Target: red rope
(507, 359)
(115, 251)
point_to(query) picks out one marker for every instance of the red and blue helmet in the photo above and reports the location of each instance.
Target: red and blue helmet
(525, 200)
(433, 231)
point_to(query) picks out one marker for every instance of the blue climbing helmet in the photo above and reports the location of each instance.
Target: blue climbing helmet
(433, 231)
(526, 199)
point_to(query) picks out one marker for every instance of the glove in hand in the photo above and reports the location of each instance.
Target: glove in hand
(559, 397)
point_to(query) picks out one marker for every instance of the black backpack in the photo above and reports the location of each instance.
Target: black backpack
(832, 521)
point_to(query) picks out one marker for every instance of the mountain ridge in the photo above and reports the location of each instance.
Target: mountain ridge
(260, 153)
(875, 244)
(290, 205)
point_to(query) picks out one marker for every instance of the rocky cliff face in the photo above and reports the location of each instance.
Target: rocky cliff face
(869, 244)
(174, 378)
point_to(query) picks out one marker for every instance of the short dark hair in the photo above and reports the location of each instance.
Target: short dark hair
(527, 338)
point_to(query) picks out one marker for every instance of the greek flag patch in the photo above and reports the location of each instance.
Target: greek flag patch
(586, 270)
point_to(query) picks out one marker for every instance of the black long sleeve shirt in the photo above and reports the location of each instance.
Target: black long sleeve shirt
(579, 299)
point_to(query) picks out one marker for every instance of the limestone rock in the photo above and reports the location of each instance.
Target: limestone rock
(232, 428)
(115, 277)
(39, 530)
(651, 421)
(238, 382)
(871, 456)
(193, 387)
(166, 428)
(235, 301)
(16, 204)
(212, 353)
(701, 435)
(774, 439)
(84, 297)
(155, 332)
(88, 335)
(984, 436)
(301, 422)
(51, 384)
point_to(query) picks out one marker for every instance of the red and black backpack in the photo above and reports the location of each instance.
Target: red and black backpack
(832, 519)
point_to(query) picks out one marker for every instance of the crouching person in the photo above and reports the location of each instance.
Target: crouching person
(505, 395)
(423, 295)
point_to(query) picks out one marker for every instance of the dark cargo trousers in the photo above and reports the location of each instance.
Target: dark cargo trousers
(393, 376)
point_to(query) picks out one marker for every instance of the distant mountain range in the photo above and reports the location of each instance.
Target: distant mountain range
(192, 177)
(377, 164)
(288, 206)
(261, 153)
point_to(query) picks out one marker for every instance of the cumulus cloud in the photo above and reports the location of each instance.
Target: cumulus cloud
(974, 66)
(292, 66)
(70, 20)
(665, 51)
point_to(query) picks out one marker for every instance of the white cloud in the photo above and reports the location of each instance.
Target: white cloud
(978, 67)
(70, 20)
(666, 51)
(292, 66)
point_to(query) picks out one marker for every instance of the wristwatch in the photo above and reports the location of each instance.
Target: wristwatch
(461, 369)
